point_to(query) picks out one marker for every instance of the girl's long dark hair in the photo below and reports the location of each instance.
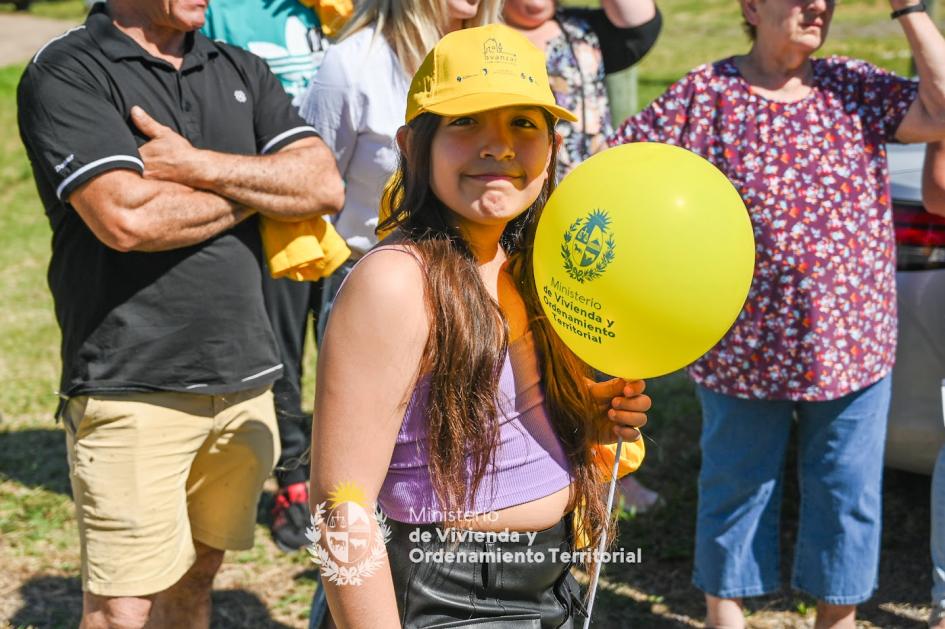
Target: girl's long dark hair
(469, 338)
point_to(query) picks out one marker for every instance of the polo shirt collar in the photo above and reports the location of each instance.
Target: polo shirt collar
(117, 46)
(199, 49)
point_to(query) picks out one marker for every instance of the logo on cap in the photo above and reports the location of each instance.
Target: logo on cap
(492, 52)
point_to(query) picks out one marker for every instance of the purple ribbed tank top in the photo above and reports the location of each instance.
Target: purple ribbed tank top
(530, 462)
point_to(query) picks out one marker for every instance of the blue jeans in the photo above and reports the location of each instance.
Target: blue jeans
(840, 467)
(938, 538)
(319, 608)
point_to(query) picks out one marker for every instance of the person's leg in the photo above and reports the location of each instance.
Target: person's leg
(743, 449)
(228, 473)
(187, 602)
(288, 304)
(723, 613)
(840, 469)
(937, 543)
(115, 612)
(318, 616)
(128, 459)
(223, 489)
(831, 616)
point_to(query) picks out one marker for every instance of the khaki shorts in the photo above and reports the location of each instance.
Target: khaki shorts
(151, 472)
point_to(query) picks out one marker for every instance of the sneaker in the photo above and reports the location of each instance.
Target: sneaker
(290, 517)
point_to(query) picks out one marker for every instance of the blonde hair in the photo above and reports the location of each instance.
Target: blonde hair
(412, 27)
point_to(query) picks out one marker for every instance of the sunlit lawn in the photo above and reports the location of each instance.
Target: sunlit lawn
(38, 539)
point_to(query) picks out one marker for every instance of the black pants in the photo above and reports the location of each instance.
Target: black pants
(289, 303)
(485, 583)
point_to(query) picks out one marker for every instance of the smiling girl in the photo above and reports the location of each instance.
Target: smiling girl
(443, 394)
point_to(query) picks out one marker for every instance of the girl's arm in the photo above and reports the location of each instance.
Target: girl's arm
(367, 367)
(629, 13)
(626, 30)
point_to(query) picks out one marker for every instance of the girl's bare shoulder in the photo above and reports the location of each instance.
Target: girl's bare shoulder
(387, 282)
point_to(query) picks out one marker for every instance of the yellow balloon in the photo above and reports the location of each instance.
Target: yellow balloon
(643, 259)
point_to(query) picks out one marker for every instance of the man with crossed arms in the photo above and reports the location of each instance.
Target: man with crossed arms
(153, 150)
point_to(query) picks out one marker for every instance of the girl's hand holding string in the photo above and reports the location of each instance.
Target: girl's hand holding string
(623, 407)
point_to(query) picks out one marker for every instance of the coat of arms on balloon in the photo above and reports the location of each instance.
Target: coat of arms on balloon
(588, 247)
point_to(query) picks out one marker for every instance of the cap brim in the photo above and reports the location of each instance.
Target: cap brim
(474, 103)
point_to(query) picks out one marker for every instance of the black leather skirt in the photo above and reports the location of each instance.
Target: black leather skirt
(472, 579)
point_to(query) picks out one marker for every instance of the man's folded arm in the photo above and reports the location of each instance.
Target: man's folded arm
(128, 212)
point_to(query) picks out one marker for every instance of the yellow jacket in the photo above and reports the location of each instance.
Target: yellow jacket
(331, 13)
(304, 250)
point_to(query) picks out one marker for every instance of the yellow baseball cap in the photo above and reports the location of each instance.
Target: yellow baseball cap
(475, 69)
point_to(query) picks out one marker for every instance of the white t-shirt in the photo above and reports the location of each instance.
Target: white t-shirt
(356, 103)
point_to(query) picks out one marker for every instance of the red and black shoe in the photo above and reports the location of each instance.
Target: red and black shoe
(290, 517)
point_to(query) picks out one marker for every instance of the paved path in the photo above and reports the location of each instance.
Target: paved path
(21, 35)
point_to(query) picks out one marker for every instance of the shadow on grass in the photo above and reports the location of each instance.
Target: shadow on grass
(35, 458)
(50, 602)
(656, 594)
(239, 608)
(660, 589)
(612, 609)
(55, 602)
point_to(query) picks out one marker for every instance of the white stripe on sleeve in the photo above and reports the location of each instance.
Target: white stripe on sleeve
(113, 158)
(284, 135)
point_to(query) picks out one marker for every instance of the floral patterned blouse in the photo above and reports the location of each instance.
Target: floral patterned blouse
(820, 319)
(576, 72)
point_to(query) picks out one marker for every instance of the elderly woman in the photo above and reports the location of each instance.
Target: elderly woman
(803, 141)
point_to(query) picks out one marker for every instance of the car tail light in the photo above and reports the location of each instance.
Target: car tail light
(920, 238)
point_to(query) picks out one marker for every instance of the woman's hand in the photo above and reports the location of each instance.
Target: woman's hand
(623, 407)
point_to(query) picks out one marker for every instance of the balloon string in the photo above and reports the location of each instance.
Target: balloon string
(602, 545)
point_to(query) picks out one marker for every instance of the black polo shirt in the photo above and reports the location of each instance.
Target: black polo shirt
(190, 319)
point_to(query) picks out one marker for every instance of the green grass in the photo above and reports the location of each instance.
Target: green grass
(261, 587)
(57, 9)
(29, 361)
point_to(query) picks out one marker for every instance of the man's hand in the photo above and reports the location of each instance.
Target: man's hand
(167, 156)
(297, 182)
(623, 408)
